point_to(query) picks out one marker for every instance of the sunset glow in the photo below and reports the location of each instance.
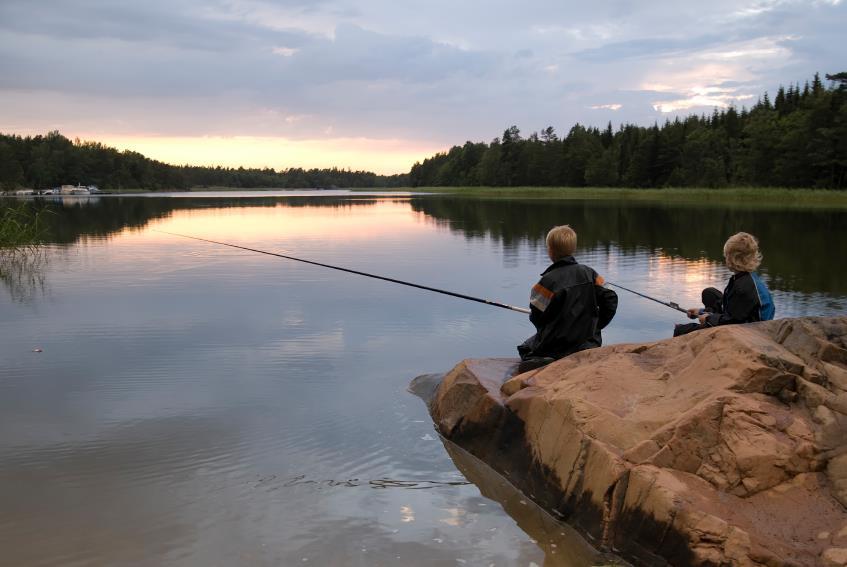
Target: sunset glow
(381, 219)
(363, 86)
(379, 156)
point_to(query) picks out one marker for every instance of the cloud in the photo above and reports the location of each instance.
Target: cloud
(379, 69)
(358, 54)
(111, 65)
(187, 25)
(647, 47)
(613, 106)
(285, 51)
(706, 98)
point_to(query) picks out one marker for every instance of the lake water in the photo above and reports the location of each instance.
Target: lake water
(194, 404)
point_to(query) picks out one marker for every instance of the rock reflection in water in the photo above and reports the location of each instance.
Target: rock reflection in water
(562, 545)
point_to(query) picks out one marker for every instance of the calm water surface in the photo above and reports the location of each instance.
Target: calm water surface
(200, 405)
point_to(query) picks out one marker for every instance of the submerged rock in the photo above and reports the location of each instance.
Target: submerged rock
(725, 446)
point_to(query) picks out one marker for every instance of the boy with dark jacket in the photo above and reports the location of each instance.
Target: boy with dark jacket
(569, 305)
(746, 298)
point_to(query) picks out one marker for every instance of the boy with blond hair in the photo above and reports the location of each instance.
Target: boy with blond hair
(569, 305)
(745, 299)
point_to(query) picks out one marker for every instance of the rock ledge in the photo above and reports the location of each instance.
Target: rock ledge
(726, 446)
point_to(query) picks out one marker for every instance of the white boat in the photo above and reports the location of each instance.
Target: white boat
(74, 190)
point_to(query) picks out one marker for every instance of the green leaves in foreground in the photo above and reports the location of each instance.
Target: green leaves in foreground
(22, 226)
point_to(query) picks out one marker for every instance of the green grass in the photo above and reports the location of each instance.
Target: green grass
(21, 225)
(762, 195)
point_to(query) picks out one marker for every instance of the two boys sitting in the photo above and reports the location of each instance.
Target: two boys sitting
(569, 306)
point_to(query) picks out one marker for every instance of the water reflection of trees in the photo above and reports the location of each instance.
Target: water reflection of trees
(75, 218)
(801, 246)
(100, 217)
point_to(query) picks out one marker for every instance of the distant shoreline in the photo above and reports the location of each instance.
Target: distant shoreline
(765, 196)
(746, 195)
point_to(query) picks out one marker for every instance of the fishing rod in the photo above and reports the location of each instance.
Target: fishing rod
(670, 304)
(357, 272)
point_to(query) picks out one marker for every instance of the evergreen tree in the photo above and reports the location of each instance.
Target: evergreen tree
(799, 140)
(11, 172)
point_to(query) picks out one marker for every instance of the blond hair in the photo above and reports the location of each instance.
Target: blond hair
(742, 252)
(561, 242)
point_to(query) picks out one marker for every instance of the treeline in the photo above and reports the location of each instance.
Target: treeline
(42, 162)
(798, 139)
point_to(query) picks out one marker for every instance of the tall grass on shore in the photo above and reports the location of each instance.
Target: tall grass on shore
(22, 272)
(22, 226)
(749, 196)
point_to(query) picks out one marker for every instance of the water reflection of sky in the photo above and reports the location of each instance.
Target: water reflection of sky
(185, 387)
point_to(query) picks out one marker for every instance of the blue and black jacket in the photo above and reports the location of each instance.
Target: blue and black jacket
(746, 299)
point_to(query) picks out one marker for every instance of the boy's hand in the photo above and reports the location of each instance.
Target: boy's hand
(702, 318)
(693, 312)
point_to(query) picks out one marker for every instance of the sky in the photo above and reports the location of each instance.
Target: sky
(380, 84)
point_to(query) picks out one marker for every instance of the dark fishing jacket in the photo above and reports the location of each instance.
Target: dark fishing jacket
(746, 299)
(569, 306)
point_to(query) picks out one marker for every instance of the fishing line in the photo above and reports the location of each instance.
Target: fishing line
(670, 304)
(357, 272)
